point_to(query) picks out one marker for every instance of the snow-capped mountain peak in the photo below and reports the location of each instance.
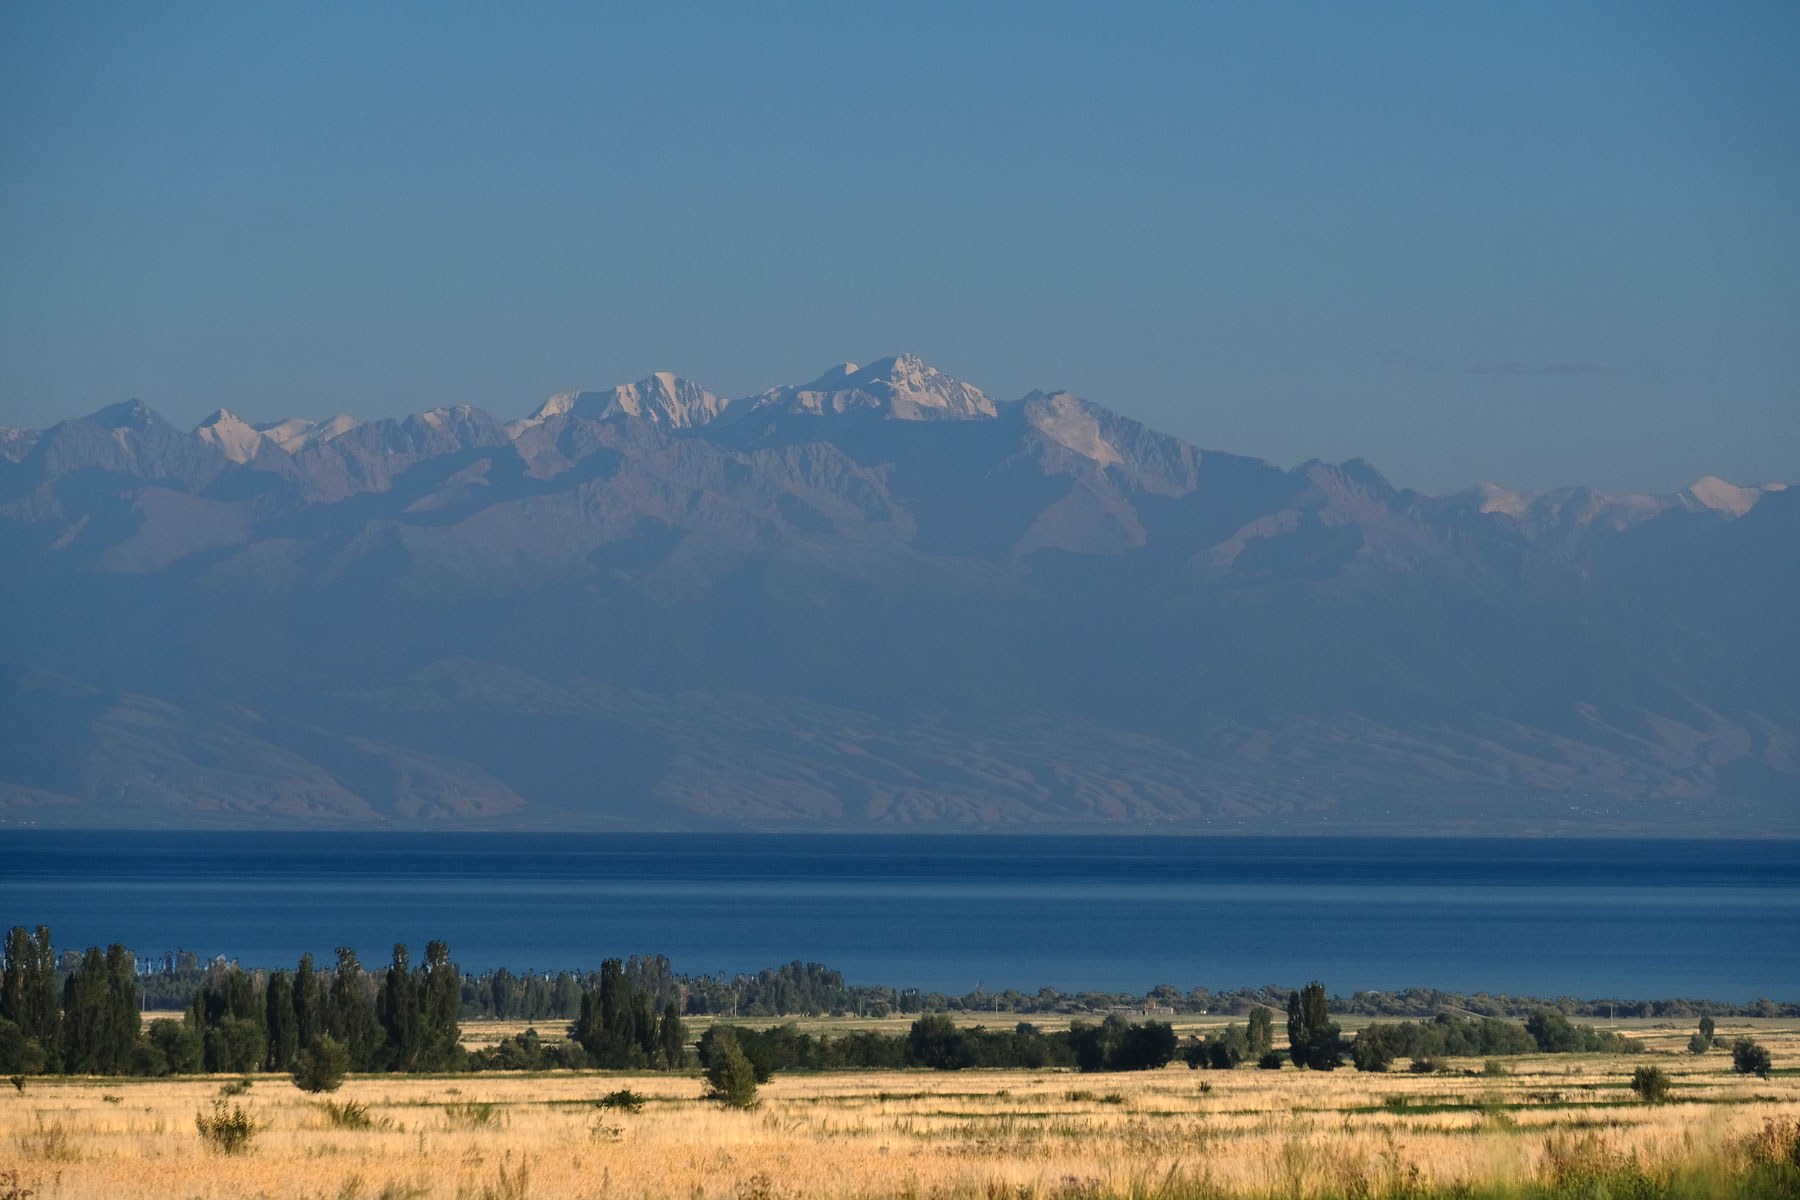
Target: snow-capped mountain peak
(663, 397)
(232, 434)
(901, 387)
(297, 433)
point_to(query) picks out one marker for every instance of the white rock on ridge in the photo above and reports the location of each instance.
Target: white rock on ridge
(15, 444)
(664, 398)
(901, 388)
(236, 437)
(1066, 420)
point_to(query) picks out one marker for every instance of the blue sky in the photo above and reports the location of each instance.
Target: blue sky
(1533, 244)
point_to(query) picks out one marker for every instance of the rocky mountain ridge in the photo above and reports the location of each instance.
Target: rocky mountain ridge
(877, 599)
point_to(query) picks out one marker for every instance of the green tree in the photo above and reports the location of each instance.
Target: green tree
(281, 1022)
(28, 992)
(19, 1055)
(1370, 1051)
(440, 995)
(607, 1026)
(615, 1006)
(179, 1044)
(1551, 1030)
(934, 1041)
(309, 1003)
(321, 1067)
(349, 1017)
(671, 1036)
(124, 1011)
(643, 1026)
(1748, 1058)
(730, 1079)
(87, 1017)
(1313, 1040)
(1261, 1034)
(397, 1004)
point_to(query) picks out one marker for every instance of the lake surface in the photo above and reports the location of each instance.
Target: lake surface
(1628, 919)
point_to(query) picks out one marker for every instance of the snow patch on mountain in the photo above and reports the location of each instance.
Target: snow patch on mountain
(232, 434)
(899, 388)
(664, 398)
(1712, 492)
(297, 433)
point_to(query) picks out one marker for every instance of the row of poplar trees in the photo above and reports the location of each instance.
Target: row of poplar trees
(399, 1019)
(91, 1028)
(619, 1027)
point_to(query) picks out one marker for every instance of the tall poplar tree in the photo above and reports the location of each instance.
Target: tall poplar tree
(350, 1018)
(28, 993)
(87, 1014)
(398, 1007)
(309, 1003)
(282, 1022)
(440, 996)
(1313, 1040)
(125, 1015)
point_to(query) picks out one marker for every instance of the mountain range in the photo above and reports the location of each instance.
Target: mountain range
(877, 600)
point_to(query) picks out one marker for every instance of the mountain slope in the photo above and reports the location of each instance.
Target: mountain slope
(877, 599)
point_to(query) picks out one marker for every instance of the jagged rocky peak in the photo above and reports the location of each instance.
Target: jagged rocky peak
(901, 388)
(237, 438)
(663, 397)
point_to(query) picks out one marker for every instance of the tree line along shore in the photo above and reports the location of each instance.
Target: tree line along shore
(81, 1014)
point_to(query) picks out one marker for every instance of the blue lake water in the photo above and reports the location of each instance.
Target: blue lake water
(1630, 919)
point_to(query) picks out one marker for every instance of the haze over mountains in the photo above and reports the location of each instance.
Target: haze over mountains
(879, 599)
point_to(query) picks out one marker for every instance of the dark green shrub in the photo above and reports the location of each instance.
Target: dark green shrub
(1651, 1084)
(1748, 1058)
(730, 1079)
(1371, 1054)
(321, 1067)
(625, 1099)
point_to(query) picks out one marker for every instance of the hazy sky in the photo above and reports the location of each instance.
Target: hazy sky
(1535, 244)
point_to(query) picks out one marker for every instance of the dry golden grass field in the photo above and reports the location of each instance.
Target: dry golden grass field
(1551, 1125)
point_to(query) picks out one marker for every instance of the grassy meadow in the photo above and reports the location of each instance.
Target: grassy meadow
(1553, 1125)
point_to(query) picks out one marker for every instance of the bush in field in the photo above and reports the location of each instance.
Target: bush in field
(730, 1079)
(1270, 1061)
(624, 1099)
(1371, 1054)
(1748, 1058)
(227, 1130)
(350, 1114)
(321, 1067)
(1651, 1084)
